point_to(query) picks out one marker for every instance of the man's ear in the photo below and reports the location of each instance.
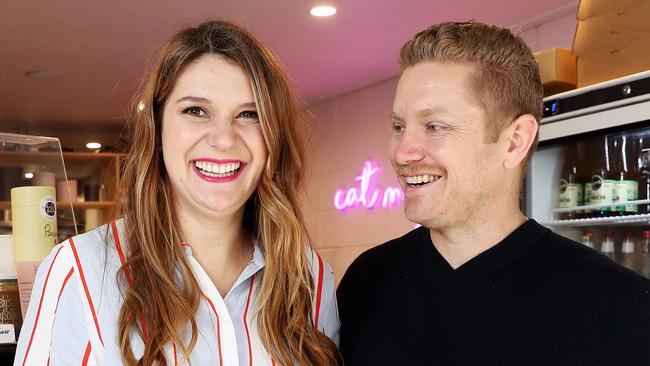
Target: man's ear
(521, 135)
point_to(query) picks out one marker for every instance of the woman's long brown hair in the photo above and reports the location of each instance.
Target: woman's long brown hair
(158, 305)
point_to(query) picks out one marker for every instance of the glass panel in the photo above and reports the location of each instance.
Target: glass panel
(595, 188)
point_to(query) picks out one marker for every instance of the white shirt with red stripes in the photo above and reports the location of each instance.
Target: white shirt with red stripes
(74, 308)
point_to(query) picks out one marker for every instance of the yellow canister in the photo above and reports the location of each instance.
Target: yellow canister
(33, 211)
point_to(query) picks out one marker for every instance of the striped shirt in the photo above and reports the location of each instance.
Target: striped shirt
(73, 313)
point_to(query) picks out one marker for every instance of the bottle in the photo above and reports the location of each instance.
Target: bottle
(644, 179)
(645, 250)
(607, 247)
(586, 238)
(602, 179)
(626, 188)
(570, 189)
(587, 148)
(628, 257)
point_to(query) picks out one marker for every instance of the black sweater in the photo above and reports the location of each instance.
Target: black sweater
(535, 298)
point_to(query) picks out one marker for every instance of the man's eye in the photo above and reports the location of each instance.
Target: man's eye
(194, 111)
(397, 128)
(435, 128)
(248, 115)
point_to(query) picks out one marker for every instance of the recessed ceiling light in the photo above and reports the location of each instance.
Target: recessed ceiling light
(29, 175)
(323, 11)
(93, 145)
(43, 74)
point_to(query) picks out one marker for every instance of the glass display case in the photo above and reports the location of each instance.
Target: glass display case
(35, 214)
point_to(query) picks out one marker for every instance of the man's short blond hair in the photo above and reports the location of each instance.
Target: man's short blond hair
(506, 81)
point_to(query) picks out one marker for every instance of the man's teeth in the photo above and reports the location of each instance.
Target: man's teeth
(217, 170)
(417, 180)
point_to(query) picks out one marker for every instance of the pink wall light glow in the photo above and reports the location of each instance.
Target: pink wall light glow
(366, 193)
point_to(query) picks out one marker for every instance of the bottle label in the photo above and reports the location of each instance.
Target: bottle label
(602, 192)
(627, 247)
(570, 194)
(7, 333)
(587, 195)
(607, 246)
(47, 208)
(9, 305)
(626, 190)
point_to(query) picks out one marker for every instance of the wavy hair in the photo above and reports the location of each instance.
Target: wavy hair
(157, 305)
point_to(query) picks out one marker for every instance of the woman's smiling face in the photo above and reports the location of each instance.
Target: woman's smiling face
(212, 140)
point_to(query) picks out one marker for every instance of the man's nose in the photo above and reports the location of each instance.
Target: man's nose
(409, 148)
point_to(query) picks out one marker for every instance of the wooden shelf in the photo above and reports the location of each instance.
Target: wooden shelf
(22, 157)
(5, 205)
(103, 169)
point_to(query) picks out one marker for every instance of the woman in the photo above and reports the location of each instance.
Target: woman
(209, 263)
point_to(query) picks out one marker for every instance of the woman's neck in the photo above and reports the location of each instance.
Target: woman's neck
(219, 245)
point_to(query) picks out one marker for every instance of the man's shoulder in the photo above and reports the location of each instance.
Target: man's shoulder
(393, 251)
(391, 254)
(571, 259)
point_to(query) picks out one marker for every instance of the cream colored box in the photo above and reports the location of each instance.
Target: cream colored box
(557, 68)
(611, 39)
(593, 8)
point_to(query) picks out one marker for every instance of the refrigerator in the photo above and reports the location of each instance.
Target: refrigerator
(588, 178)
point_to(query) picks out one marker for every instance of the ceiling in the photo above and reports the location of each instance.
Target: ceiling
(103, 49)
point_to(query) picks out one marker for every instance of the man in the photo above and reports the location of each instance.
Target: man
(479, 283)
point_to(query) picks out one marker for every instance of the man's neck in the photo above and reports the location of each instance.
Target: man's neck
(461, 243)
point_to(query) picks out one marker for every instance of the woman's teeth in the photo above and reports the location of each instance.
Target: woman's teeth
(419, 180)
(217, 170)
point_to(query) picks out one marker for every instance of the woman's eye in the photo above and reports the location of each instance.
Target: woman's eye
(397, 128)
(194, 111)
(248, 115)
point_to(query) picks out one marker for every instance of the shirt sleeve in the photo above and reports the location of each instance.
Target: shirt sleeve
(54, 329)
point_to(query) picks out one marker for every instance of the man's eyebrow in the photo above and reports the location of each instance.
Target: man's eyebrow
(428, 112)
(422, 113)
(394, 116)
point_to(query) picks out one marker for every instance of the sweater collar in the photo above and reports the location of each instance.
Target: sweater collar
(507, 251)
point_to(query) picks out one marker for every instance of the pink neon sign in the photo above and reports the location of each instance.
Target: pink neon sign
(366, 194)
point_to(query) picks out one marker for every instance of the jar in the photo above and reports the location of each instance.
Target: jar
(10, 303)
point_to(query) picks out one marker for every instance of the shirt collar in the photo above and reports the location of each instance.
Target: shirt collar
(257, 263)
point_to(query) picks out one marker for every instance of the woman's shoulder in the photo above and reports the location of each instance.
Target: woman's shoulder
(316, 262)
(94, 253)
(98, 241)
(325, 311)
(320, 269)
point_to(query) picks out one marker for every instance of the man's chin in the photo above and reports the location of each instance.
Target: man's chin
(418, 218)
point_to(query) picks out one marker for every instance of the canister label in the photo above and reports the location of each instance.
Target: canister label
(48, 208)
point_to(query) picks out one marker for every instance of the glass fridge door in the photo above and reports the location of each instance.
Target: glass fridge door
(594, 188)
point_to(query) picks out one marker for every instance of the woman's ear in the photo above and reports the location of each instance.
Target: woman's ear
(522, 134)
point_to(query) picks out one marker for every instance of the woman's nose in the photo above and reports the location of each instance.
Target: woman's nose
(222, 134)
